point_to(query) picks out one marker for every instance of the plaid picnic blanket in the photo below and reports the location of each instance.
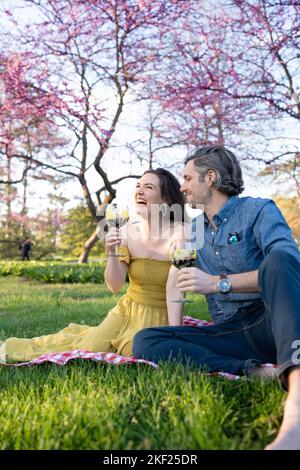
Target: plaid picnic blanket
(62, 358)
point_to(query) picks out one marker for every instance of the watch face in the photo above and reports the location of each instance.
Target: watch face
(224, 285)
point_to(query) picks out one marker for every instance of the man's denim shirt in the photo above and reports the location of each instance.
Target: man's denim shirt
(260, 227)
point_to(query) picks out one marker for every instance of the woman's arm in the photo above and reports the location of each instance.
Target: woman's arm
(175, 310)
(115, 271)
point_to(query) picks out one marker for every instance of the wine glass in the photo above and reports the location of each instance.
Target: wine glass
(182, 255)
(117, 215)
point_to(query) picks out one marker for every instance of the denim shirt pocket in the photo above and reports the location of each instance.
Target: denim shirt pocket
(240, 257)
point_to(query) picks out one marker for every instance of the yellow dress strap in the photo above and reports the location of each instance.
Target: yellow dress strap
(125, 255)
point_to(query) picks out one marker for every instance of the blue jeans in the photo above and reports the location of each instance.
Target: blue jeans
(262, 332)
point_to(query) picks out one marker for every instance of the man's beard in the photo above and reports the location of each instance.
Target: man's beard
(205, 199)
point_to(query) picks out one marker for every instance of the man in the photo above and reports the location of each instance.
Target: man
(249, 270)
(26, 248)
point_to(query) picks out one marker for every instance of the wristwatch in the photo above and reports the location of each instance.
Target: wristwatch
(224, 285)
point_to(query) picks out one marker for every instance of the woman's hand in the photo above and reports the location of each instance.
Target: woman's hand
(112, 240)
(115, 272)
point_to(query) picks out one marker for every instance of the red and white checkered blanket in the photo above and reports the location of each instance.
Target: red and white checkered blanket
(61, 358)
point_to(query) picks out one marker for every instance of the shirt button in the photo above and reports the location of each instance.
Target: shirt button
(212, 233)
(225, 220)
(217, 252)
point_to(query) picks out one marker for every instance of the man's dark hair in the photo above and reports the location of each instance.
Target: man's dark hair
(169, 189)
(229, 174)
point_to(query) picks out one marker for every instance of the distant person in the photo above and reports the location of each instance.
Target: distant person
(26, 248)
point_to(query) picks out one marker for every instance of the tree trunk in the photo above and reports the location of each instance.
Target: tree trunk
(8, 199)
(89, 244)
(24, 203)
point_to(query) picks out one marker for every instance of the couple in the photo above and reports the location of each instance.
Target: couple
(248, 269)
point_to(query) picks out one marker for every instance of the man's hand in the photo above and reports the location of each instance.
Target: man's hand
(195, 280)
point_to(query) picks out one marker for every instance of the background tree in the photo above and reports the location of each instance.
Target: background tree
(231, 76)
(77, 227)
(96, 52)
(267, 66)
(290, 207)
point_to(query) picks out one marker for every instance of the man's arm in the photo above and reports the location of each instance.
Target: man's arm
(195, 280)
(244, 282)
(272, 232)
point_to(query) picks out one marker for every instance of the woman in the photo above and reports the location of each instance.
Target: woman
(145, 258)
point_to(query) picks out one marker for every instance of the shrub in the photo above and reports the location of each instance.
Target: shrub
(54, 272)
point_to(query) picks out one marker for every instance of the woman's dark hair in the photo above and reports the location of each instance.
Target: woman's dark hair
(229, 174)
(170, 191)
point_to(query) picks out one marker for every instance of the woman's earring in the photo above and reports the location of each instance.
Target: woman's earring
(164, 209)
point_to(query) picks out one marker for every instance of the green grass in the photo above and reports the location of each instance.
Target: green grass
(94, 406)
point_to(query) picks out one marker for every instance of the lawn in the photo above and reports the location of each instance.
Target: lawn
(95, 406)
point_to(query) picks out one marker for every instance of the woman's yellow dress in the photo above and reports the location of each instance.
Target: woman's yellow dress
(143, 306)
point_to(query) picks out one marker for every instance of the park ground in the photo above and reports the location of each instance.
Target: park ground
(86, 405)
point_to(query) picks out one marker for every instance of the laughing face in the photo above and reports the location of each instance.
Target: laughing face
(147, 193)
